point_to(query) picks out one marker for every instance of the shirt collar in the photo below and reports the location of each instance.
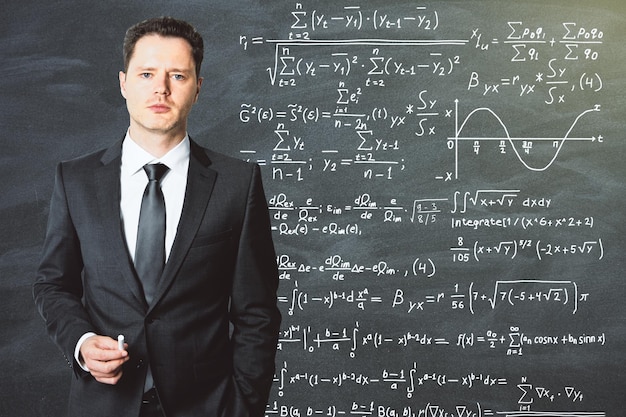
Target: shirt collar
(134, 157)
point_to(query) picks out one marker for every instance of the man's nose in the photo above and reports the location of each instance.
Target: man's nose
(162, 85)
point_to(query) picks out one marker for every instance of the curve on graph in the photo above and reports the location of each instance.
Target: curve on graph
(506, 131)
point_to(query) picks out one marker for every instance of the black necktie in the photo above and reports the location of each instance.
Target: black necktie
(150, 249)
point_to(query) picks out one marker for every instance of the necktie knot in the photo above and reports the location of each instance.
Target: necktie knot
(155, 172)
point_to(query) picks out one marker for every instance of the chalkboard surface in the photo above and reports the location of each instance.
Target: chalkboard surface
(445, 179)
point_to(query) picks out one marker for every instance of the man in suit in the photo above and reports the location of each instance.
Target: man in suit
(180, 262)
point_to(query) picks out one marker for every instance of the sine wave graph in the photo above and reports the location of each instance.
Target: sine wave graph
(458, 137)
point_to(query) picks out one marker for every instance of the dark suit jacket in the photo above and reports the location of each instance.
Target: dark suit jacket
(221, 278)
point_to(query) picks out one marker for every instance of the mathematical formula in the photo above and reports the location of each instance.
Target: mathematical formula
(427, 173)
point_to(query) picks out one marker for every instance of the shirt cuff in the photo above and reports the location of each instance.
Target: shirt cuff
(77, 355)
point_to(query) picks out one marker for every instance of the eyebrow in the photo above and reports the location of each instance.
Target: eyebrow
(142, 69)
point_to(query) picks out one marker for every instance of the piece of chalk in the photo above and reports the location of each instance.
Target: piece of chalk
(120, 342)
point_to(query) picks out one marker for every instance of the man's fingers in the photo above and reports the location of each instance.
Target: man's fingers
(105, 354)
(107, 378)
(103, 358)
(102, 348)
(105, 367)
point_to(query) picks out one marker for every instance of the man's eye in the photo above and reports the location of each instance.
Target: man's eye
(178, 77)
(145, 75)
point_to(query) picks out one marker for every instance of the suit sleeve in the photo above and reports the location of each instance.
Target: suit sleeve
(254, 311)
(57, 290)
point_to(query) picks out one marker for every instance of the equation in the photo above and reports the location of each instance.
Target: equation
(514, 293)
(389, 94)
(310, 216)
(430, 172)
(353, 339)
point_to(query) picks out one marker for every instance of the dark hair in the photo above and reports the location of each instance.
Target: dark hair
(167, 27)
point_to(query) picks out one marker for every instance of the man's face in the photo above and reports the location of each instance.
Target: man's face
(160, 86)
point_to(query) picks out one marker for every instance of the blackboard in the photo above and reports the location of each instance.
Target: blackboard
(445, 179)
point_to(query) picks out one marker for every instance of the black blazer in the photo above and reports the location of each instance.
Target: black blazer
(210, 335)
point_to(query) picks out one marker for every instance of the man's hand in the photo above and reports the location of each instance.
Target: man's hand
(103, 358)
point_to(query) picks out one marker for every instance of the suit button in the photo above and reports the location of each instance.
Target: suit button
(139, 363)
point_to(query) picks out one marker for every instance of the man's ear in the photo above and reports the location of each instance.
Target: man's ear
(200, 79)
(122, 77)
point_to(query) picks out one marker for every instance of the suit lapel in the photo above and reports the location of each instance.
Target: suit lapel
(107, 179)
(200, 182)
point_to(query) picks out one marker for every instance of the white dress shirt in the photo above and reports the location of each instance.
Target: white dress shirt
(133, 181)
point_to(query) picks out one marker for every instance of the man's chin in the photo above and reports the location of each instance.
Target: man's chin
(162, 129)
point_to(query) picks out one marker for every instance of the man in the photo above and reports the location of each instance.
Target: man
(181, 262)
